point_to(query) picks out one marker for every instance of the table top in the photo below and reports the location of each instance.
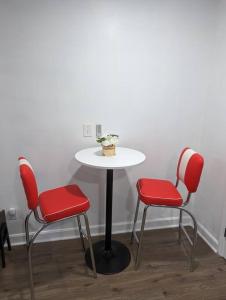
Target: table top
(125, 157)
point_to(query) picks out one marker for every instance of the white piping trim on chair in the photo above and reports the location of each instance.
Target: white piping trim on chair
(184, 162)
(23, 161)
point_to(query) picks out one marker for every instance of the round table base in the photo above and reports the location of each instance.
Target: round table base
(109, 262)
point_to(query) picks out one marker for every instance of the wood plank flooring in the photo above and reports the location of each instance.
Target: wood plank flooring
(60, 273)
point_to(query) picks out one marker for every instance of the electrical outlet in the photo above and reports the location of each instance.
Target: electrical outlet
(11, 214)
(87, 130)
(98, 130)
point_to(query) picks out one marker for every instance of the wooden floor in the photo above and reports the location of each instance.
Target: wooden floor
(60, 273)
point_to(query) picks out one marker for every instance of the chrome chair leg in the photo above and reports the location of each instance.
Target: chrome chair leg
(135, 220)
(80, 232)
(138, 256)
(90, 245)
(27, 228)
(179, 228)
(30, 274)
(195, 229)
(192, 241)
(30, 243)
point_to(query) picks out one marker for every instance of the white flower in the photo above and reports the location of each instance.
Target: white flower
(114, 140)
(107, 140)
(106, 143)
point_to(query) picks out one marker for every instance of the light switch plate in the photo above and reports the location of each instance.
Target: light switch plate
(87, 130)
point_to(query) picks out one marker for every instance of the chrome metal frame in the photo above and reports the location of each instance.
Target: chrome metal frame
(30, 241)
(181, 229)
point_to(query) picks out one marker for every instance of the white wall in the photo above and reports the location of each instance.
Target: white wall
(140, 68)
(210, 205)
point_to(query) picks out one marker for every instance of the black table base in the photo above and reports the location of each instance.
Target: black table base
(109, 261)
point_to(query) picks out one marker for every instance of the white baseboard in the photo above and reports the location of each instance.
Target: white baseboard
(208, 237)
(71, 233)
(123, 227)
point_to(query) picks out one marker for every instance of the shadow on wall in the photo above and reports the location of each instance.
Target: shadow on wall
(125, 196)
(211, 196)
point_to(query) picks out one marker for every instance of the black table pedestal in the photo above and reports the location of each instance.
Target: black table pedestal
(109, 262)
(110, 256)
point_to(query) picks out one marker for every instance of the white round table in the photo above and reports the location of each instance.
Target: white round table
(111, 256)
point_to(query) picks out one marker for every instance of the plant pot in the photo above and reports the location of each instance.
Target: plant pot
(108, 150)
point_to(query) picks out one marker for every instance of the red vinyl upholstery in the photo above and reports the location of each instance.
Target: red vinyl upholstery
(29, 183)
(62, 202)
(55, 204)
(158, 192)
(163, 192)
(189, 169)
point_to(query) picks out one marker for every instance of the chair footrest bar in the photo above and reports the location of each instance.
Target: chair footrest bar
(187, 235)
(135, 237)
(84, 235)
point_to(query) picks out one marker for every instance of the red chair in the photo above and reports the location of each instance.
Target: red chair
(50, 207)
(163, 193)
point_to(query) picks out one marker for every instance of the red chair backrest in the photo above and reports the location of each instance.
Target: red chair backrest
(29, 183)
(189, 169)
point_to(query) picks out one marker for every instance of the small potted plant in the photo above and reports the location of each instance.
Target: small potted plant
(108, 143)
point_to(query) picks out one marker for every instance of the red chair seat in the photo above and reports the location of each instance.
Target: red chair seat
(62, 202)
(158, 192)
